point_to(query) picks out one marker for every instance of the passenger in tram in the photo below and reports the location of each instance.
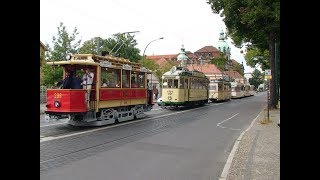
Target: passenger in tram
(104, 83)
(118, 84)
(67, 82)
(134, 82)
(76, 82)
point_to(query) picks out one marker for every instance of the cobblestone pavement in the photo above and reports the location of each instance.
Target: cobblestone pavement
(258, 153)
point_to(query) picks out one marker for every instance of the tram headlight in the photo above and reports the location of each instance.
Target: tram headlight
(57, 104)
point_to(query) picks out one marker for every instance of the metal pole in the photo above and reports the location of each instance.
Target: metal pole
(268, 97)
(146, 48)
(98, 45)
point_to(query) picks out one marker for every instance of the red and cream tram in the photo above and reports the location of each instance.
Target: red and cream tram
(119, 91)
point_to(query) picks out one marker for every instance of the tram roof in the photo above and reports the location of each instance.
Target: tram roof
(96, 60)
(176, 71)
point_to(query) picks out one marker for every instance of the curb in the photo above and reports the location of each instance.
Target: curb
(225, 172)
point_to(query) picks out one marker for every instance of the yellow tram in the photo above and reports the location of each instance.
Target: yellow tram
(219, 90)
(181, 87)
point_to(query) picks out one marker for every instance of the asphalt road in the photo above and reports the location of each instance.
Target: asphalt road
(168, 144)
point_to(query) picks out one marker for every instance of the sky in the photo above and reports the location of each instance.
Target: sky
(191, 23)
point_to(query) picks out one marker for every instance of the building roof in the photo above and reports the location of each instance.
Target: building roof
(162, 61)
(207, 49)
(44, 47)
(205, 68)
(234, 62)
(233, 74)
(167, 56)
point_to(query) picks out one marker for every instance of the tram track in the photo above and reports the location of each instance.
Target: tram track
(66, 148)
(65, 155)
(60, 130)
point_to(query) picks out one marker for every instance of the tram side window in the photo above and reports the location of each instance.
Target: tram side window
(202, 84)
(134, 79)
(175, 83)
(220, 87)
(197, 84)
(110, 77)
(125, 78)
(181, 84)
(186, 84)
(170, 83)
(228, 87)
(165, 83)
(212, 87)
(192, 86)
(141, 79)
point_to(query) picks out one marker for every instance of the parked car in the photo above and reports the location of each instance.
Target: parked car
(159, 101)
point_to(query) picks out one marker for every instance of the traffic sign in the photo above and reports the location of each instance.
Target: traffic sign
(268, 77)
(267, 72)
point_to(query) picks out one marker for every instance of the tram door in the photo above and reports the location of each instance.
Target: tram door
(186, 88)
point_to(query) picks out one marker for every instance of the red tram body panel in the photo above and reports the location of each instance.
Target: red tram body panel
(66, 100)
(117, 94)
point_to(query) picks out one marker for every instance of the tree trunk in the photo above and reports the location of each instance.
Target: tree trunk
(272, 88)
(278, 69)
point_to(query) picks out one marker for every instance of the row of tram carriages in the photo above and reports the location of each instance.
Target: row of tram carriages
(119, 92)
(182, 87)
(222, 90)
(240, 90)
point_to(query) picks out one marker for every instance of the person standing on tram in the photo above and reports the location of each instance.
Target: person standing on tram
(87, 81)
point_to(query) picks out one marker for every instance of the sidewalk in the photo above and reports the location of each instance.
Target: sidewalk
(42, 108)
(256, 154)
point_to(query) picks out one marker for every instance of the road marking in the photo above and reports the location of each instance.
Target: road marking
(227, 166)
(227, 120)
(49, 138)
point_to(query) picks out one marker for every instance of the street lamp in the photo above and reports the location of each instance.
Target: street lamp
(146, 48)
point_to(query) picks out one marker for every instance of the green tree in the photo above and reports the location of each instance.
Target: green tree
(254, 22)
(255, 56)
(93, 46)
(63, 43)
(123, 45)
(238, 67)
(165, 68)
(149, 64)
(51, 75)
(256, 79)
(157, 70)
(120, 44)
(220, 62)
